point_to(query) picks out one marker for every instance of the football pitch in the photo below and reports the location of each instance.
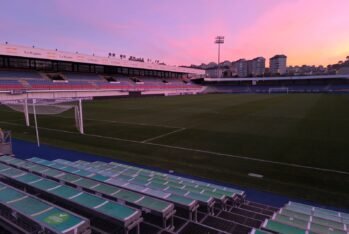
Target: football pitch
(298, 142)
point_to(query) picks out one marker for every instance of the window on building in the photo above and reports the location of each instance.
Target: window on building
(19, 62)
(43, 65)
(99, 69)
(62, 66)
(83, 68)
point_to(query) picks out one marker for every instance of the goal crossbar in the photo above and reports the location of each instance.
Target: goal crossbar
(278, 90)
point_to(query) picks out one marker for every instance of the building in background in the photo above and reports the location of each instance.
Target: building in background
(278, 64)
(239, 68)
(343, 70)
(256, 67)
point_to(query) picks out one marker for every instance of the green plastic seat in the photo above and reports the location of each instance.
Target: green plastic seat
(38, 168)
(294, 214)
(180, 200)
(106, 189)
(45, 184)
(154, 185)
(128, 196)
(53, 172)
(318, 228)
(86, 183)
(3, 166)
(282, 228)
(193, 189)
(154, 204)
(8, 194)
(65, 191)
(13, 172)
(214, 195)
(69, 177)
(177, 191)
(199, 197)
(29, 206)
(88, 200)
(59, 220)
(99, 177)
(291, 221)
(118, 211)
(28, 178)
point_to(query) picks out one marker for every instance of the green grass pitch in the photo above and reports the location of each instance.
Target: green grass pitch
(285, 138)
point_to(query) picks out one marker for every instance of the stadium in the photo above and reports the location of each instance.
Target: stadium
(108, 145)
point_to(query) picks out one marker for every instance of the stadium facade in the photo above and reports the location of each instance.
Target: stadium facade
(29, 71)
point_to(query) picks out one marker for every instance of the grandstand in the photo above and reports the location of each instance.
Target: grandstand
(25, 70)
(31, 70)
(268, 85)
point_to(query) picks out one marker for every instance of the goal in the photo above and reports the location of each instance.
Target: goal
(278, 90)
(48, 107)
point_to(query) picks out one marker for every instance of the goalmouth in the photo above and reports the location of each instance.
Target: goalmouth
(48, 107)
(278, 90)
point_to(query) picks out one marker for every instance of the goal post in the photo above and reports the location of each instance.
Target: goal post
(48, 107)
(278, 90)
(79, 121)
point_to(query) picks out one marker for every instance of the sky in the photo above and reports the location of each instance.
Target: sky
(182, 32)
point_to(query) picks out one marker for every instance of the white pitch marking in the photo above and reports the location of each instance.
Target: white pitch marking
(123, 122)
(163, 135)
(294, 165)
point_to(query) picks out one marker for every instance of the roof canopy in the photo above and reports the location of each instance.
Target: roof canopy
(29, 52)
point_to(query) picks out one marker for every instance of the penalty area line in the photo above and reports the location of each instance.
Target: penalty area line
(163, 135)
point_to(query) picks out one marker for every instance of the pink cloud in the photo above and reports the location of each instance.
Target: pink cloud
(308, 31)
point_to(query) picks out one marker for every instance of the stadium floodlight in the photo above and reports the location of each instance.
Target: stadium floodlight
(219, 40)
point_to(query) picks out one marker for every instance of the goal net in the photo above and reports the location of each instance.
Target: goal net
(278, 90)
(46, 107)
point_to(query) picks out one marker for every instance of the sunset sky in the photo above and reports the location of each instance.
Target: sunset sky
(181, 32)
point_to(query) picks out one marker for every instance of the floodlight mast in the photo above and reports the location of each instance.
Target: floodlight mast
(219, 40)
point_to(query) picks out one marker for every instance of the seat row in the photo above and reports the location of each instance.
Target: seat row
(157, 180)
(175, 195)
(153, 203)
(33, 215)
(97, 208)
(301, 218)
(150, 205)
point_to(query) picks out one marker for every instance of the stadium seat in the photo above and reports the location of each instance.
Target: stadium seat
(37, 216)
(121, 215)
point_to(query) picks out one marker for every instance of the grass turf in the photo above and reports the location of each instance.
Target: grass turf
(304, 129)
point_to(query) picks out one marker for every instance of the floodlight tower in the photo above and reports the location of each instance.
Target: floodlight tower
(219, 40)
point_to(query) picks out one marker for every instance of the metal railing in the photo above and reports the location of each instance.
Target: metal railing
(5, 137)
(5, 142)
